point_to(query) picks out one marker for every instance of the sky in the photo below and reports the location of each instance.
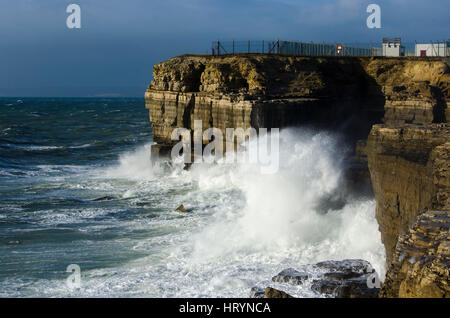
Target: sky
(113, 52)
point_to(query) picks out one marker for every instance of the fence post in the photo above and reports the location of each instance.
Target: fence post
(262, 47)
(233, 46)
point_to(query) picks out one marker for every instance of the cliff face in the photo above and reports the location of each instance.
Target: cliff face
(279, 91)
(262, 91)
(420, 264)
(400, 106)
(416, 91)
(410, 174)
(409, 162)
(410, 170)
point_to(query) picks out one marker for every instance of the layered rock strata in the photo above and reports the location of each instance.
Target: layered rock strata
(421, 261)
(410, 169)
(406, 100)
(348, 94)
(351, 278)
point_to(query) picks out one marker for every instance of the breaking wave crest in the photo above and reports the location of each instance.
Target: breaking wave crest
(243, 226)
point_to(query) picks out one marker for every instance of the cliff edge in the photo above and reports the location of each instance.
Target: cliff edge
(395, 111)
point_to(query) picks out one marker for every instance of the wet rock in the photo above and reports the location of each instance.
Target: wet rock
(346, 279)
(181, 209)
(420, 266)
(291, 276)
(330, 202)
(257, 292)
(160, 151)
(325, 286)
(350, 278)
(345, 288)
(106, 198)
(275, 293)
(341, 275)
(347, 266)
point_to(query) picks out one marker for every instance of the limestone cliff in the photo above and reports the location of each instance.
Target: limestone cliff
(410, 174)
(420, 264)
(262, 91)
(410, 170)
(268, 91)
(399, 106)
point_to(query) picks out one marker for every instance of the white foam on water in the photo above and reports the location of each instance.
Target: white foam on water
(280, 214)
(134, 165)
(253, 225)
(244, 227)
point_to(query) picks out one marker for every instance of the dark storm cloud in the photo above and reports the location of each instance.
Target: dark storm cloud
(114, 51)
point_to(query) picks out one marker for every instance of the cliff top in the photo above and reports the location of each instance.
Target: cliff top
(297, 76)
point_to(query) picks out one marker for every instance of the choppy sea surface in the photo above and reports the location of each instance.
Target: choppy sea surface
(58, 155)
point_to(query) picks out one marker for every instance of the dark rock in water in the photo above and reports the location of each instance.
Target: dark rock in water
(341, 275)
(358, 288)
(350, 288)
(291, 276)
(160, 151)
(181, 209)
(355, 266)
(275, 293)
(330, 202)
(257, 292)
(325, 286)
(346, 279)
(351, 278)
(107, 198)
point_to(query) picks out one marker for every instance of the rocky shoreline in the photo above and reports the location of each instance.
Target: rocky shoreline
(351, 278)
(393, 111)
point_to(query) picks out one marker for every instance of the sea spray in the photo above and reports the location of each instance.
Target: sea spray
(280, 211)
(250, 214)
(244, 226)
(135, 165)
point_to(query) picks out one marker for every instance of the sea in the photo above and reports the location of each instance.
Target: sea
(58, 155)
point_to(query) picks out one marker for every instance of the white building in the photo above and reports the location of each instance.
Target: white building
(433, 49)
(393, 47)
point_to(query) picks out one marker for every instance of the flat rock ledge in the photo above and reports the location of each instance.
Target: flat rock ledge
(351, 278)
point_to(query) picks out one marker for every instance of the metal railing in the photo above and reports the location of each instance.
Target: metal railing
(437, 48)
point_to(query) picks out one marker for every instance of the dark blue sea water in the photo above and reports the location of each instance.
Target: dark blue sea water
(48, 148)
(58, 154)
